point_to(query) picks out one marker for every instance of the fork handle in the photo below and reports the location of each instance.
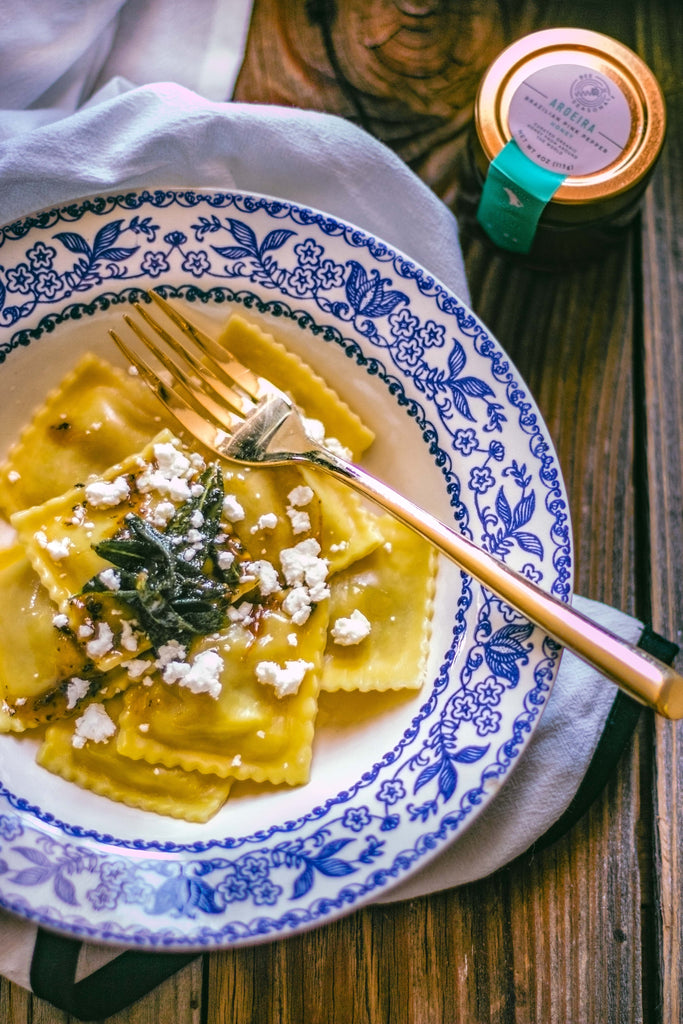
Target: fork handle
(643, 677)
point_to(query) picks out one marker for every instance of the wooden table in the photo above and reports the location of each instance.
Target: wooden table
(588, 930)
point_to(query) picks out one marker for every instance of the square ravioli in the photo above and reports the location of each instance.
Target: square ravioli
(95, 418)
(44, 671)
(257, 724)
(380, 615)
(95, 764)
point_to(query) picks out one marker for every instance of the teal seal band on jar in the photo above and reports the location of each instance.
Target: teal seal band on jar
(515, 193)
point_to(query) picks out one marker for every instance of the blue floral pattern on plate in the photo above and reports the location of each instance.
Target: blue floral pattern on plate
(427, 354)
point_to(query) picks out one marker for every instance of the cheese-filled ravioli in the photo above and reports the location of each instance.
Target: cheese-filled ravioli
(83, 750)
(253, 720)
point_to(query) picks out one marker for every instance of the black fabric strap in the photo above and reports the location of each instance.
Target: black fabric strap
(619, 728)
(104, 992)
(132, 974)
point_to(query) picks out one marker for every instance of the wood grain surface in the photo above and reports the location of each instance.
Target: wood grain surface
(589, 930)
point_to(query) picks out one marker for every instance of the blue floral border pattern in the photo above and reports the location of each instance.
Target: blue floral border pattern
(396, 323)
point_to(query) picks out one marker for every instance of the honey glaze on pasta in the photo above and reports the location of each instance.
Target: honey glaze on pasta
(180, 615)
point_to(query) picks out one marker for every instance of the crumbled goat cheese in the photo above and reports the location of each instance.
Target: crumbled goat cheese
(171, 460)
(60, 620)
(175, 671)
(136, 668)
(197, 519)
(171, 475)
(163, 512)
(102, 643)
(232, 510)
(110, 579)
(76, 689)
(56, 549)
(203, 675)
(306, 574)
(318, 591)
(297, 604)
(266, 576)
(301, 563)
(351, 629)
(292, 639)
(177, 489)
(300, 495)
(225, 559)
(337, 448)
(301, 521)
(286, 679)
(95, 724)
(79, 518)
(268, 521)
(315, 429)
(107, 494)
(172, 651)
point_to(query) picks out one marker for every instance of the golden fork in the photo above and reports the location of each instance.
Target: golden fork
(242, 417)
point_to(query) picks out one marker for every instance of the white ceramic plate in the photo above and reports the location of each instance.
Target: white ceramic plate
(395, 778)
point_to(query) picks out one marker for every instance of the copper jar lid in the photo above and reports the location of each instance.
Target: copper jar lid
(593, 72)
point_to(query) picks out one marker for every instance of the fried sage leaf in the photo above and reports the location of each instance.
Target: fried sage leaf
(172, 580)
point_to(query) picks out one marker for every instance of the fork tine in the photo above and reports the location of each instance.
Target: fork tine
(208, 378)
(202, 420)
(196, 394)
(234, 371)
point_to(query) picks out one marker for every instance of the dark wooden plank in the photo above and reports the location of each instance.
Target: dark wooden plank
(571, 339)
(660, 29)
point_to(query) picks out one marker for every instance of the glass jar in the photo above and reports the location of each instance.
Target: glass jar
(568, 127)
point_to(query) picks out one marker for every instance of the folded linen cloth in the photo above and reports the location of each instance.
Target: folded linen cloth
(54, 56)
(169, 136)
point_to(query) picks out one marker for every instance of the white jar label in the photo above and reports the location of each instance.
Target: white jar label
(570, 119)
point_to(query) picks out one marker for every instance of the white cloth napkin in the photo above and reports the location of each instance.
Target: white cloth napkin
(54, 54)
(167, 135)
